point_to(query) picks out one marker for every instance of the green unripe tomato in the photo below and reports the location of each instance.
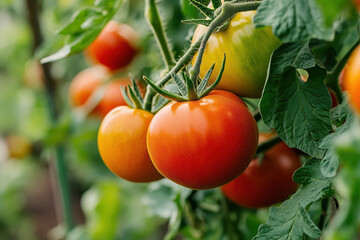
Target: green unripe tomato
(248, 52)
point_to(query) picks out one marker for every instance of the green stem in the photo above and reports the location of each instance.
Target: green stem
(60, 168)
(324, 208)
(183, 61)
(153, 18)
(228, 10)
(263, 147)
(50, 86)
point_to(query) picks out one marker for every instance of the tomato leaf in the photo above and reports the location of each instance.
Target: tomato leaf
(84, 27)
(298, 110)
(330, 53)
(293, 20)
(330, 162)
(291, 220)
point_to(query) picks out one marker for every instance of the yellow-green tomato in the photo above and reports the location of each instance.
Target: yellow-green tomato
(248, 52)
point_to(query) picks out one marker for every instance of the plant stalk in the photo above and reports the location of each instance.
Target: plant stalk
(50, 87)
(324, 208)
(183, 61)
(153, 18)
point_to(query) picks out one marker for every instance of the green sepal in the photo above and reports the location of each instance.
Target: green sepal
(208, 12)
(124, 93)
(180, 84)
(208, 90)
(216, 3)
(205, 22)
(191, 89)
(134, 98)
(205, 80)
(136, 89)
(163, 92)
(160, 102)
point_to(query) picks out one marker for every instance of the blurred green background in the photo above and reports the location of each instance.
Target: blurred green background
(104, 206)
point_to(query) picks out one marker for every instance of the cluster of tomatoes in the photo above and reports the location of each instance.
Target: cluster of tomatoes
(98, 87)
(201, 144)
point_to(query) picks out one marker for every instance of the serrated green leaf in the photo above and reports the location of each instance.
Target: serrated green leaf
(330, 53)
(289, 221)
(330, 162)
(309, 227)
(85, 26)
(297, 110)
(294, 20)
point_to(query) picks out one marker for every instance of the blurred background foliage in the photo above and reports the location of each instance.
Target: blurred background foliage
(105, 206)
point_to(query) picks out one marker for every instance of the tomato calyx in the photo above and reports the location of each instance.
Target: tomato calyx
(132, 94)
(189, 90)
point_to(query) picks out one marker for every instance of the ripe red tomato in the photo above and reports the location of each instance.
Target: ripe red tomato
(352, 79)
(114, 47)
(88, 81)
(268, 182)
(205, 143)
(122, 144)
(248, 50)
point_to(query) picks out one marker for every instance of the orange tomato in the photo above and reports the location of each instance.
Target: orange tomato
(352, 79)
(88, 81)
(122, 144)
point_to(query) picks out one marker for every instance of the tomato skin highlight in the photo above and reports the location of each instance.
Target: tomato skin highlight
(266, 183)
(205, 143)
(88, 81)
(122, 144)
(248, 52)
(113, 47)
(352, 79)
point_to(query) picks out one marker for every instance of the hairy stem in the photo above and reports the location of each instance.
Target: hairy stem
(183, 61)
(153, 18)
(50, 86)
